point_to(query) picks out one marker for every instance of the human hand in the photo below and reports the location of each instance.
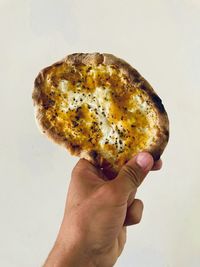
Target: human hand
(93, 231)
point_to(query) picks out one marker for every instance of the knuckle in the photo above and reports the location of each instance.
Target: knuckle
(132, 174)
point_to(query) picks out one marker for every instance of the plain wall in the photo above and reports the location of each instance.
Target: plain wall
(160, 38)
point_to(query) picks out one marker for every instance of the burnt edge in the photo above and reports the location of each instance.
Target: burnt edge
(158, 102)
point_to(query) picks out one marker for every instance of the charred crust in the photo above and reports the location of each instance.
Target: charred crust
(95, 158)
(143, 87)
(38, 81)
(47, 102)
(135, 76)
(94, 154)
(85, 59)
(45, 71)
(158, 102)
(75, 148)
(156, 154)
(46, 124)
(57, 64)
(166, 133)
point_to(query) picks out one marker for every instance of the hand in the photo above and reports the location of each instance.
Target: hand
(93, 231)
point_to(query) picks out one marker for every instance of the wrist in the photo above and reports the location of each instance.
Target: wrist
(71, 250)
(68, 255)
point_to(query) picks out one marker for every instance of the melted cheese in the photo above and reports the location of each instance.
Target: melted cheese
(98, 105)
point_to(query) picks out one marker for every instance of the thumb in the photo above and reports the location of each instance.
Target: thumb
(133, 172)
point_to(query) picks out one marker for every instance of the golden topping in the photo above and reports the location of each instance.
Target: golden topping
(95, 107)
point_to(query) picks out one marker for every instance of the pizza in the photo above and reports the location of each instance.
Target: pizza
(101, 109)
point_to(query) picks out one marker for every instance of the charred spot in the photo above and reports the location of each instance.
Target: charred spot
(94, 154)
(89, 69)
(75, 124)
(77, 117)
(136, 80)
(36, 95)
(46, 124)
(75, 147)
(38, 81)
(54, 80)
(158, 102)
(166, 132)
(156, 154)
(57, 64)
(46, 70)
(71, 75)
(98, 58)
(53, 117)
(60, 134)
(79, 114)
(135, 76)
(143, 87)
(48, 102)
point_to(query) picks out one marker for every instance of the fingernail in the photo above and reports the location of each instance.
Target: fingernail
(144, 160)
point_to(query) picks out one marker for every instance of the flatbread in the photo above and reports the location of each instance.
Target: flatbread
(101, 109)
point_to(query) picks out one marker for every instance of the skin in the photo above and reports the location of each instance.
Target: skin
(97, 213)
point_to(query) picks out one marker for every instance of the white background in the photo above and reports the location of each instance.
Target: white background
(160, 38)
